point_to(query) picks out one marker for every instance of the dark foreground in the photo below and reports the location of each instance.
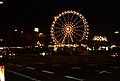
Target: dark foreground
(62, 68)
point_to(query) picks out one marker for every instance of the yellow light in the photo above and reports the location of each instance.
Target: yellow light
(68, 28)
(77, 13)
(2, 76)
(40, 34)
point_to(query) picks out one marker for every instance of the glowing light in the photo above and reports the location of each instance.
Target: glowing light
(36, 29)
(68, 28)
(21, 31)
(116, 32)
(113, 46)
(55, 49)
(99, 38)
(39, 44)
(1, 47)
(40, 34)
(16, 30)
(43, 54)
(1, 39)
(1, 56)
(115, 55)
(1, 2)
(2, 75)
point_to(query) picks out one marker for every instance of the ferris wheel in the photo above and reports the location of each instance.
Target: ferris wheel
(69, 27)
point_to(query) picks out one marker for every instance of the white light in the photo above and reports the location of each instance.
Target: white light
(1, 39)
(14, 54)
(36, 29)
(1, 2)
(43, 54)
(10, 54)
(113, 46)
(1, 47)
(15, 29)
(99, 38)
(107, 48)
(68, 29)
(116, 32)
(1, 56)
(21, 31)
(36, 46)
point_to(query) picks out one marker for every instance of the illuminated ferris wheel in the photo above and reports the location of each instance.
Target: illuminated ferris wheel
(69, 27)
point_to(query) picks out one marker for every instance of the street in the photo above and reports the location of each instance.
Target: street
(40, 69)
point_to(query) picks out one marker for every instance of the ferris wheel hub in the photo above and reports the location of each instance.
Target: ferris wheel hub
(68, 29)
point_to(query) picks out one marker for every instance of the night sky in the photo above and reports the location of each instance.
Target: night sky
(103, 16)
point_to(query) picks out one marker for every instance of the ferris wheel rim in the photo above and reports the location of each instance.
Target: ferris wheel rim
(85, 25)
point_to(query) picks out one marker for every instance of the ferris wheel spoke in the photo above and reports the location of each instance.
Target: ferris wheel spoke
(58, 28)
(59, 24)
(78, 34)
(79, 26)
(74, 36)
(77, 22)
(60, 31)
(64, 18)
(79, 30)
(75, 19)
(61, 38)
(71, 18)
(64, 39)
(62, 21)
(59, 35)
(71, 38)
(68, 17)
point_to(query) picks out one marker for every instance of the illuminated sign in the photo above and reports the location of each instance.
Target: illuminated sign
(99, 38)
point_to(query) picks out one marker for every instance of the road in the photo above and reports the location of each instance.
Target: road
(29, 68)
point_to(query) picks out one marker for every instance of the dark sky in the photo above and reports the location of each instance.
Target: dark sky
(103, 16)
